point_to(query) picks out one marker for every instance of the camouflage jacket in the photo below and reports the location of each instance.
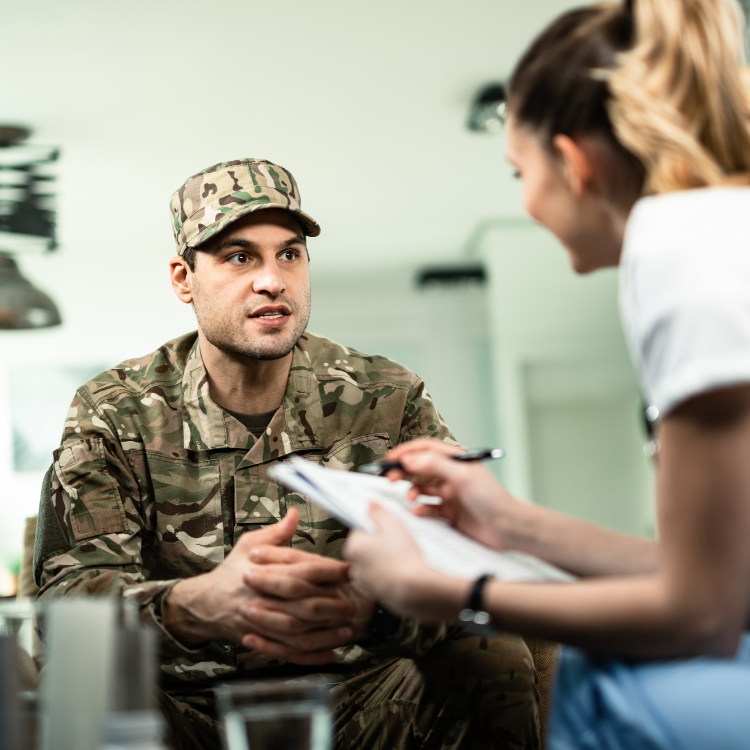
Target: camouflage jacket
(154, 482)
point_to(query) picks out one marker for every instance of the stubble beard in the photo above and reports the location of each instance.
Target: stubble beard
(229, 336)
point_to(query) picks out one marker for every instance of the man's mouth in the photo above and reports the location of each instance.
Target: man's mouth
(271, 315)
(270, 311)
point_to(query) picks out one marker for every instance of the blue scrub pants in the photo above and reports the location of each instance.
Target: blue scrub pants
(691, 704)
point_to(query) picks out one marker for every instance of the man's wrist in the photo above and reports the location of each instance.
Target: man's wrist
(179, 617)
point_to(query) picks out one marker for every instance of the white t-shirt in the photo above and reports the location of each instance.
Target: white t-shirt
(685, 292)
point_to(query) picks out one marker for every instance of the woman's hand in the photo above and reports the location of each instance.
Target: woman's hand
(473, 501)
(387, 565)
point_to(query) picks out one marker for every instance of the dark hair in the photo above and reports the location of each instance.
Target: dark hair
(189, 257)
(559, 86)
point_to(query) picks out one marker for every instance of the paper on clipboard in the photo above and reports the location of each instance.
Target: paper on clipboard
(347, 496)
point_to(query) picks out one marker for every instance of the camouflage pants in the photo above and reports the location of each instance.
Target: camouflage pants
(465, 694)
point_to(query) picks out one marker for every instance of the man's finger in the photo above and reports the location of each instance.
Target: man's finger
(266, 553)
(283, 586)
(276, 534)
(323, 572)
(324, 639)
(319, 611)
(276, 625)
(272, 648)
(283, 627)
(312, 567)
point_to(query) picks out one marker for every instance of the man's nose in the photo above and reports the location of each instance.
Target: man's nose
(269, 279)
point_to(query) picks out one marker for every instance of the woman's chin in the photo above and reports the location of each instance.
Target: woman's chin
(583, 263)
(578, 263)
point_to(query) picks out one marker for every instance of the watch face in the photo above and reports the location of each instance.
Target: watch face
(476, 622)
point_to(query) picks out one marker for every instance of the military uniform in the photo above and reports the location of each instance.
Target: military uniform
(154, 482)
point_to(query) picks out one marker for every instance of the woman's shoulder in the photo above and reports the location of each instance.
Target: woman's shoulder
(684, 300)
(695, 225)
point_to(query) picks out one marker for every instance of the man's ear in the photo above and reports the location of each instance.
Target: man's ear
(578, 164)
(181, 278)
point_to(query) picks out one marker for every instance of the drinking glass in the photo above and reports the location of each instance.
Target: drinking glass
(18, 675)
(276, 714)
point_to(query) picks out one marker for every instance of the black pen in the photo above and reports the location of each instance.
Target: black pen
(379, 468)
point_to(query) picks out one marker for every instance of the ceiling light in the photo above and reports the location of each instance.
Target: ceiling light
(22, 305)
(487, 114)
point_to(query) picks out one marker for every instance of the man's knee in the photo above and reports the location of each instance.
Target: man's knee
(474, 668)
(469, 658)
(466, 693)
(485, 688)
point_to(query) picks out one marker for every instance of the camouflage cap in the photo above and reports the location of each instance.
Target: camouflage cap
(215, 197)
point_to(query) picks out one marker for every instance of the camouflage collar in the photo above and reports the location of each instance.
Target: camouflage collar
(297, 425)
(203, 421)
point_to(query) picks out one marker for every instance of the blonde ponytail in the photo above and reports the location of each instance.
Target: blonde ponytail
(680, 100)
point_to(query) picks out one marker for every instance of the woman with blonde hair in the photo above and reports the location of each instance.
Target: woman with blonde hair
(629, 126)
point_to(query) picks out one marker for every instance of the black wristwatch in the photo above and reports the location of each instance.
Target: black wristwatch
(474, 617)
(383, 628)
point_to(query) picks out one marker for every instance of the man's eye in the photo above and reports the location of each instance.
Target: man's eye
(290, 254)
(239, 258)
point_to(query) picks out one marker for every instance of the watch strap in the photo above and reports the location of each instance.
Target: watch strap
(475, 598)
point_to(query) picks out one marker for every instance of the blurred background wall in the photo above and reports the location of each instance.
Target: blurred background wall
(367, 105)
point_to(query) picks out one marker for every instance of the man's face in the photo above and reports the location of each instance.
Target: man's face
(251, 289)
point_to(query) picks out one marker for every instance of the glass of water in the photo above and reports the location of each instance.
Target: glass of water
(276, 714)
(18, 674)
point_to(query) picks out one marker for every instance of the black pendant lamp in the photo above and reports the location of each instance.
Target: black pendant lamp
(22, 305)
(27, 224)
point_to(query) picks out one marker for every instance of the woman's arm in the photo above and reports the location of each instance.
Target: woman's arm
(477, 505)
(595, 614)
(697, 602)
(575, 545)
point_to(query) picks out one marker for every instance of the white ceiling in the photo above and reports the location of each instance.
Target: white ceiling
(364, 102)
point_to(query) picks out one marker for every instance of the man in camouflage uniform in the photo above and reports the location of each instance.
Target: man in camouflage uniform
(160, 493)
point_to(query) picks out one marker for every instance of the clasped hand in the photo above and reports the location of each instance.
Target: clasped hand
(275, 600)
